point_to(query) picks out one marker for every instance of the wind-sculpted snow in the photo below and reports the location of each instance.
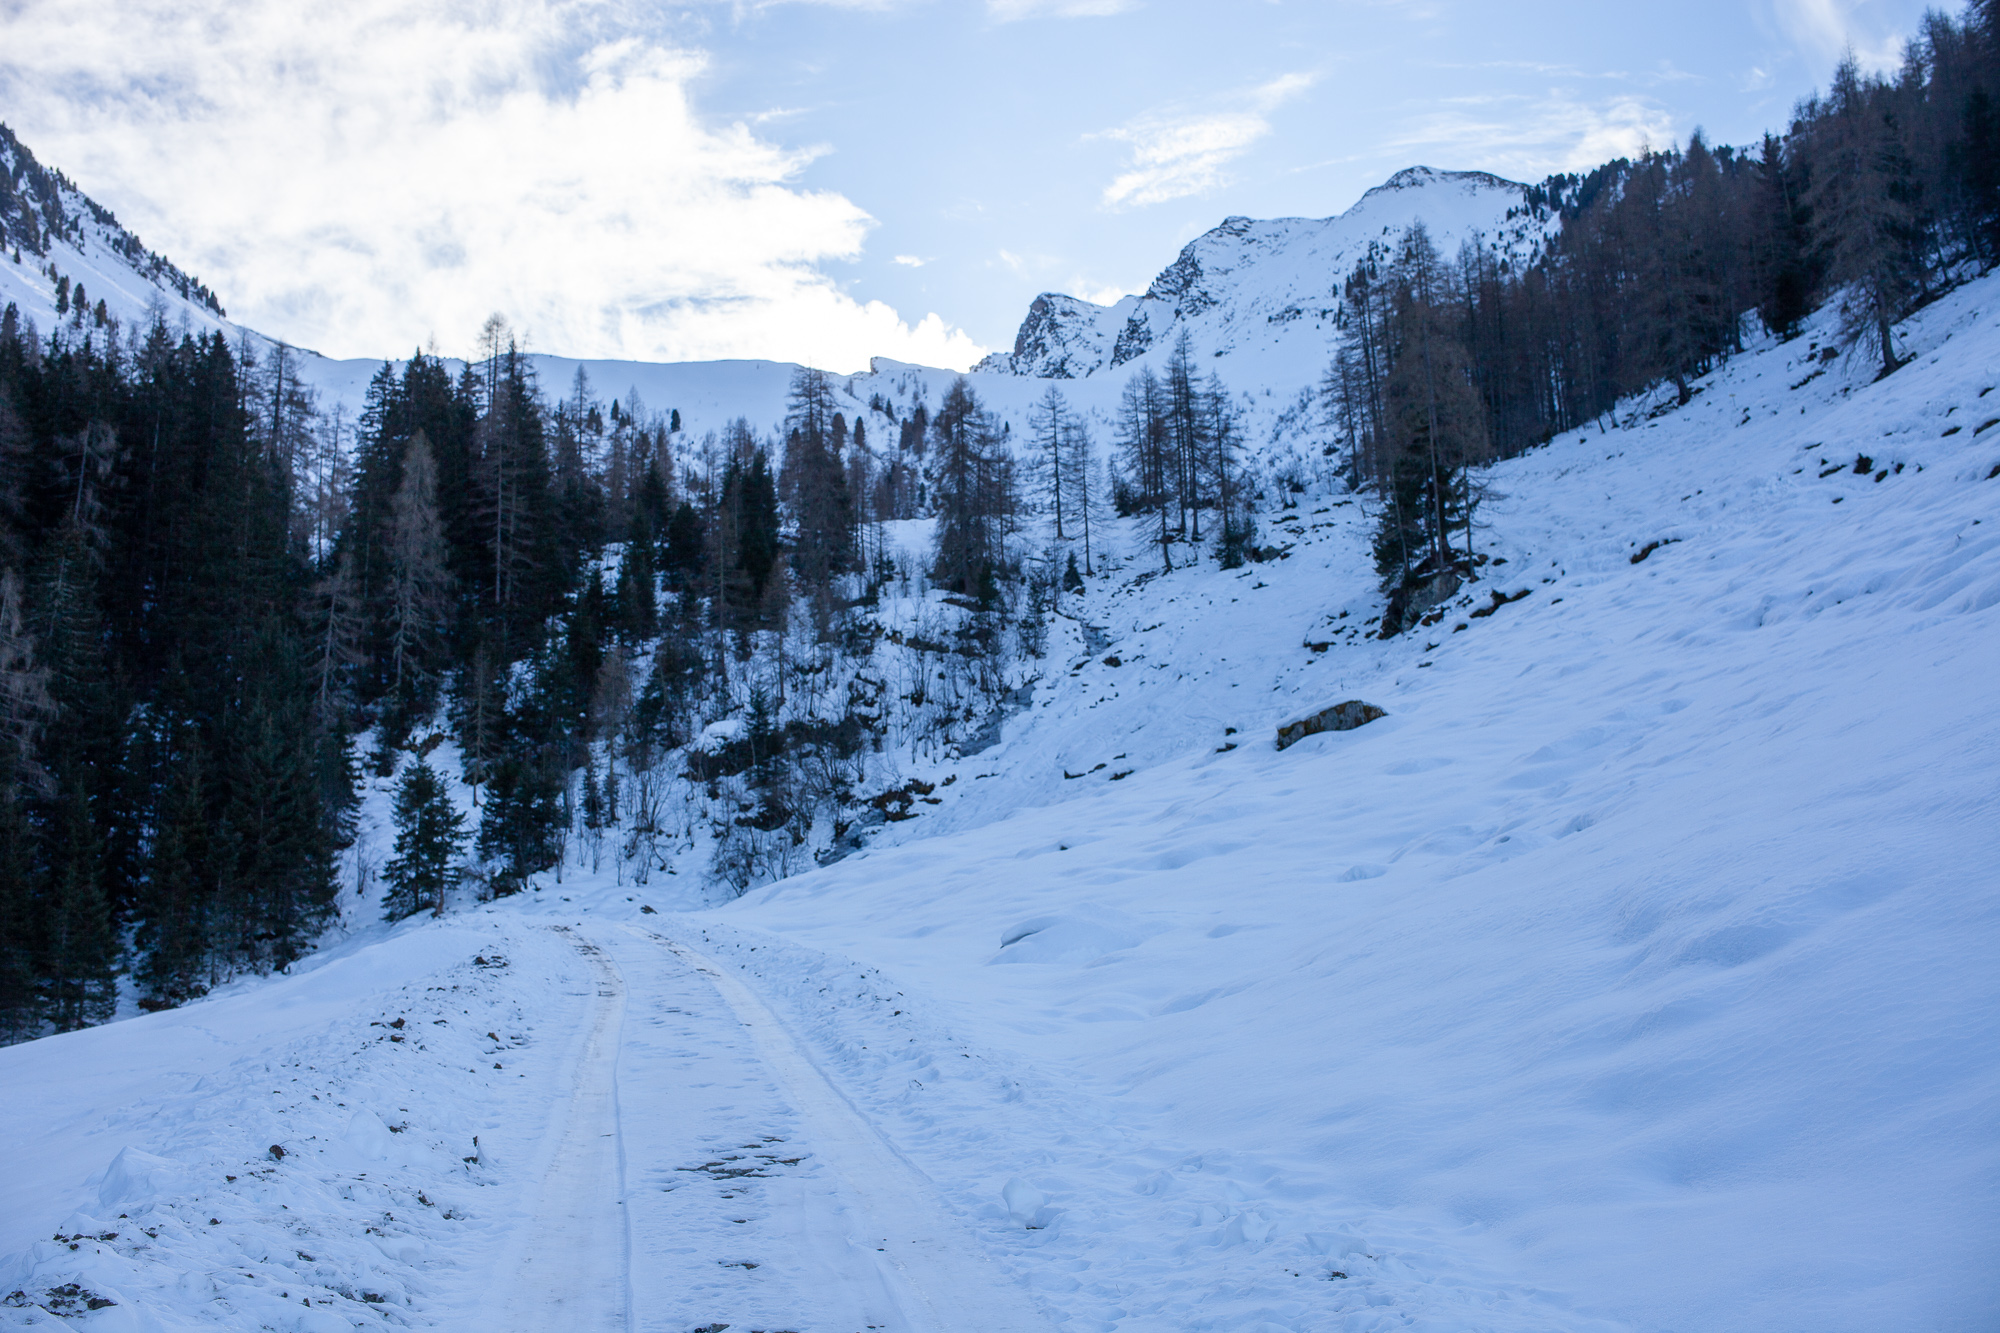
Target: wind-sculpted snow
(1632, 971)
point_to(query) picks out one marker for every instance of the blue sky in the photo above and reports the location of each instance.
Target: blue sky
(825, 181)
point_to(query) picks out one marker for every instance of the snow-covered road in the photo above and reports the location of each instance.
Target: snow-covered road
(894, 1254)
(655, 1151)
(569, 1266)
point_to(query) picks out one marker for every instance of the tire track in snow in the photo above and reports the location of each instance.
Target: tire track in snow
(936, 1272)
(568, 1265)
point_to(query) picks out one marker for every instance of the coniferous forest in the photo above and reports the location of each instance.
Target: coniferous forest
(1881, 194)
(222, 609)
(223, 612)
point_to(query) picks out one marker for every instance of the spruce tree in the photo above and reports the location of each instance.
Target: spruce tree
(814, 483)
(429, 837)
(179, 900)
(520, 829)
(20, 1005)
(79, 944)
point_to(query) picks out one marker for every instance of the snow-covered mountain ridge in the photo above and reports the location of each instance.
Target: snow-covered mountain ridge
(1270, 288)
(47, 223)
(1258, 299)
(1634, 972)
(1256, 296)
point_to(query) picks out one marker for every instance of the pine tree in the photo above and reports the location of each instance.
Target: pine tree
(684, 545)
(20, 1004)
(1186, 425)
(25, 705)
(429, 838)
(479, 713)
(1977, 161)
(1072, 578)
(521, 827)
(276, 874)
(746, 530)
(1785, 280)
(637, 608)
(1433, 432)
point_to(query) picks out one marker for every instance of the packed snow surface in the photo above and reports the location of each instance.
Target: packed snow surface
(1635, 971)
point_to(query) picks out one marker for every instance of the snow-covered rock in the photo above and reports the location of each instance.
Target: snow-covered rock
(1270, 286)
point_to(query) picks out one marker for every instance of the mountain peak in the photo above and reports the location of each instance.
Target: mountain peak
(1413, 178)
(1267, 284)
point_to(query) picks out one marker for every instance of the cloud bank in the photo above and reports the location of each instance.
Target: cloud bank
(364, 177)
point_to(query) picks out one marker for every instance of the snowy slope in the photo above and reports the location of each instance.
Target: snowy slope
(1634, 972)
(1269, 289)
(46, 224)
(1644, 948)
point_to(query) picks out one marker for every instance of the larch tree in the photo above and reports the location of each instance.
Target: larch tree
(419, 579)
(972, 491)
(1864, 198)
(1053, 427)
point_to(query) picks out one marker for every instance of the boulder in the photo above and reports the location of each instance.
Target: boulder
(1409, 605)
(1340, 717)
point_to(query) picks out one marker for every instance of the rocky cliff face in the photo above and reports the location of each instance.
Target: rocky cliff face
(1270, 286)
(1062, 338)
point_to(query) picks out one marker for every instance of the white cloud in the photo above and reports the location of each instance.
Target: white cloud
(1827, 28)
(911, 261)
(1526, 138)
(1007, 11)
(359, 177)
(1176, 156)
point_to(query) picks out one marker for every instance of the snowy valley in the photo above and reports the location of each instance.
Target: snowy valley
(1633, 970)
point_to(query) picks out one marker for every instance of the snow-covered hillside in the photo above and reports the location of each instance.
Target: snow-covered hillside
(57, 240)
(1267, 291)
(1633, 972)
(1256, 296)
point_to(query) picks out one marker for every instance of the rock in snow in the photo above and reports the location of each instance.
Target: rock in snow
(1340, 717)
